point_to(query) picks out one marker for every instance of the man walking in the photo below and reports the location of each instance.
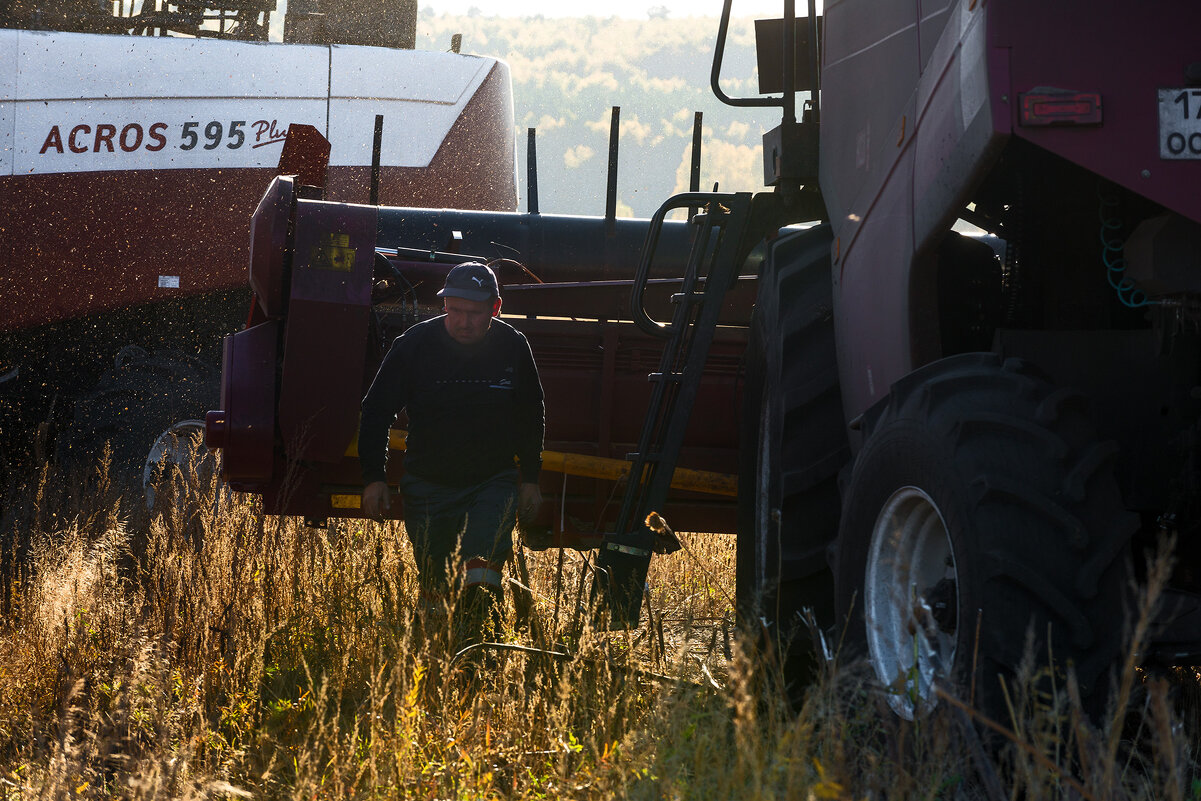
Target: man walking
(474, 400)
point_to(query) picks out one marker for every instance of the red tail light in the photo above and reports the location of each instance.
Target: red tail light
(1058, 107)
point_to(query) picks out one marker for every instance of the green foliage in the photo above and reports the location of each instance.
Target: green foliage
(568, 73)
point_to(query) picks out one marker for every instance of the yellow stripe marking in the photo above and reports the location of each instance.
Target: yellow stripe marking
(578, 464)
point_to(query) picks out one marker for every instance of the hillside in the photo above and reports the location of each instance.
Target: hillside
(567, 73)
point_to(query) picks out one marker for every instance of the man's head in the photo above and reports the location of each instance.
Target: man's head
(470, 298)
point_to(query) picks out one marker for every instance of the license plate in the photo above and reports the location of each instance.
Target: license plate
(1180, 123)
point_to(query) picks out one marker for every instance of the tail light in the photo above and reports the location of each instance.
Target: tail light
(1042, 107)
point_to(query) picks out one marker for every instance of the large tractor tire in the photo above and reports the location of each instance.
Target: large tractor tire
(982, 501)
(138, 402)
(793, 444)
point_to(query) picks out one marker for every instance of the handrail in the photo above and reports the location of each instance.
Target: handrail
(787, 100)
(644, 321)
(719, 52)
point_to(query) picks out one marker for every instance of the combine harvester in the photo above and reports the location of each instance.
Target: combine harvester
(130, 166)
(943, 451)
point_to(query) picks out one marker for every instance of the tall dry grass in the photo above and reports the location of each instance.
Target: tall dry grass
(211, 651)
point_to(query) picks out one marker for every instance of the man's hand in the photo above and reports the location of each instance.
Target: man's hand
(375, 500)
(529, 501)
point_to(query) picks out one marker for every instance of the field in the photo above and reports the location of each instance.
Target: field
(210, 651)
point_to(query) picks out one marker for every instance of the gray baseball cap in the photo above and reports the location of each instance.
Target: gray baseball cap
(471, 281)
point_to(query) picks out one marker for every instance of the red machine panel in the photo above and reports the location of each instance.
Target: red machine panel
(268, 244)
(326, 336)
(245, 426)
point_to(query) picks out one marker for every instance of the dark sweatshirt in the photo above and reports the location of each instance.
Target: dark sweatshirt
(471, 408)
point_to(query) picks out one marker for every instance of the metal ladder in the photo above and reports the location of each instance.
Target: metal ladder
(718, 249)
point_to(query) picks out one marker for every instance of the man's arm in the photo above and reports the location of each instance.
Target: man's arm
(383, 400)
(531, 415)
(531, 429)
(375, 500)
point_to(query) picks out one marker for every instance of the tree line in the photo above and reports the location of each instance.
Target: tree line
(567, 74)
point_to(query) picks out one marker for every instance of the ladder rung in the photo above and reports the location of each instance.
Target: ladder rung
(665, 376)
(650, 457)
(690, 297)
(715, 217)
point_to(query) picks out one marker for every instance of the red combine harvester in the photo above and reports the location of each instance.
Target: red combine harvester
(130, 166)
(951, 453)
(335, 283)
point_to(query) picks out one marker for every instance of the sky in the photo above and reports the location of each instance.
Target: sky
(633, 9)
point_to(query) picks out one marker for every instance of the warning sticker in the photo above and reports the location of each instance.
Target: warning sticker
(345, 501)
(333, 252)
(168, 282)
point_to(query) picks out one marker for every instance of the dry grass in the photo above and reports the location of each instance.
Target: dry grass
(222, 653)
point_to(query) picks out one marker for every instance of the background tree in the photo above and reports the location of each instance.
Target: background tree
(568, 73)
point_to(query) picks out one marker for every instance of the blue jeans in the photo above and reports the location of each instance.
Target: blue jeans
(477, 519)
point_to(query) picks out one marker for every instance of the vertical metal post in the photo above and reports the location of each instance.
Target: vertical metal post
(611, 192)
(814, 61)
(531, 170)
(694, 179)
(789, 61)
(694, 176)
(376, 147)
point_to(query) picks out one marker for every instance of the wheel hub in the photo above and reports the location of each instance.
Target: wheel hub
(941, 599)
(180, 445)
(911, 599)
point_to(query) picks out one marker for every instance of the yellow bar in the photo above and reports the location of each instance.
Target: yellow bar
(345, 501)
(578, 464)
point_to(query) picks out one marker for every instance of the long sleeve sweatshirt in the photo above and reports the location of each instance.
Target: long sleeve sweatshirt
(471, 408)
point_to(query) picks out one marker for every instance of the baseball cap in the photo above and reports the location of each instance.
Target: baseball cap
(471, 281)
